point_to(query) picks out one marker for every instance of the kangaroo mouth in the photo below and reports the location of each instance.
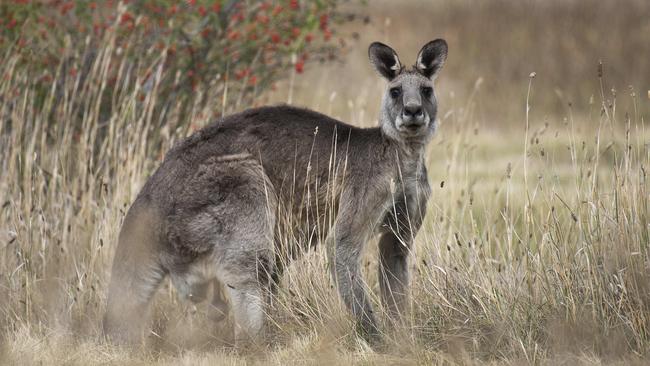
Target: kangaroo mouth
(413, 126)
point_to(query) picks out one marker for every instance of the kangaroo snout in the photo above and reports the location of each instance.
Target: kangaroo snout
(412, 111)
(412, 119)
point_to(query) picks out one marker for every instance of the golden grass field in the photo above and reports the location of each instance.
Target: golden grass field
(535, 249)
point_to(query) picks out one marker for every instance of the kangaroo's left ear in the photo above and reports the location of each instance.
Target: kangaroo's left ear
(431, 58)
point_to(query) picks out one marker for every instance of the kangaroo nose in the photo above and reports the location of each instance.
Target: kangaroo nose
(412, 111)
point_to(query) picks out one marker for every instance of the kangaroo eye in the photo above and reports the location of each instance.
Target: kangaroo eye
(427, 91)
(395, 92)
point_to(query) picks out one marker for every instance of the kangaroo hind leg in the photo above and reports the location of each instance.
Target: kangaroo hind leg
(246, 263)
(229, 215)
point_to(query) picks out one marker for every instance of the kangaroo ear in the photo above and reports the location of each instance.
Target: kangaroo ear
(385, 60)
(431, 58)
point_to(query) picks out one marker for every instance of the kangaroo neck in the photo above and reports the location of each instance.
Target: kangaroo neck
(408, 156)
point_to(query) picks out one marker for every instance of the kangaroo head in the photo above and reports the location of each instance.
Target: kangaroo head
(409, 105)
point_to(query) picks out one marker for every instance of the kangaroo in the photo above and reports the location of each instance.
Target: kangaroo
(210, 214)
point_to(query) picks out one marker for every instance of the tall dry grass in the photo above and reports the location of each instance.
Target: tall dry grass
(535, 248)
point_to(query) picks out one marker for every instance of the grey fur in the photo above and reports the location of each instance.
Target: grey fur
(215, 209)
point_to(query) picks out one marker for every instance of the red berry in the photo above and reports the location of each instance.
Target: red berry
(324, 18)
(65, 7)
(300, 66)
(126, 17)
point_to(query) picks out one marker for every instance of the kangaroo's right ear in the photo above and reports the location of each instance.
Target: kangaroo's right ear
(385, 60)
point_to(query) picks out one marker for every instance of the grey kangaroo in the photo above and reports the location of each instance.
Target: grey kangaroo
(212, 212)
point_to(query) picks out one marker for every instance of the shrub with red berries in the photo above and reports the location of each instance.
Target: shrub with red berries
(200, 45)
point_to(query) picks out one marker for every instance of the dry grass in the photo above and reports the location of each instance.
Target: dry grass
(535, 248)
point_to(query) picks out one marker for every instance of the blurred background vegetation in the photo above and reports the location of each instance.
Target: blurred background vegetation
(213, 55)
(224, 54)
